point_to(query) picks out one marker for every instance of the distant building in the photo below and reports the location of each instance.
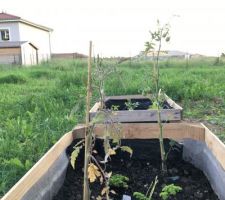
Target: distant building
(23, 42)
(163, 55)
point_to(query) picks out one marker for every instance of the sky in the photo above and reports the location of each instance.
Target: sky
(121, 27)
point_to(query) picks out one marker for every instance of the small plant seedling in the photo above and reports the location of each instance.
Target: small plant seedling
(153, 106)
(115, 108)
(169, 190)
(149, 193)
(131, 106)
(140, 196)
(118, 181)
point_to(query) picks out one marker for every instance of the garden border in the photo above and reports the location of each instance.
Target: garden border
(177, 131)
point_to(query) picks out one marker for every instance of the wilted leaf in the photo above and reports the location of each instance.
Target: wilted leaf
(104, 190)
(74, 155)
(101, 179)
(109, 174)
(127, 149)
(111, 152)
(112, 191)
(94, 151)
(99, 198)
(93, 172)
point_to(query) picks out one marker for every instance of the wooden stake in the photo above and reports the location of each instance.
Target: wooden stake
(88, 135)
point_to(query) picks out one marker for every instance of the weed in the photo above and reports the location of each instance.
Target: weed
(131, 105)
(169, 190)
(118, 181)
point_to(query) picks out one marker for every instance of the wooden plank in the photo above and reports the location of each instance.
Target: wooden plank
(124, 97)
(40, 168)
(95, 107)
(215, 145)
(143, 115)
(173, 103)
(173, 115)
(176, 131)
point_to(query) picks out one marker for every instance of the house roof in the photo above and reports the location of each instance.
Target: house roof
(15, 44)
(5, 17)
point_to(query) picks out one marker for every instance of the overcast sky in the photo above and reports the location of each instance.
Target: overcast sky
(120, 27)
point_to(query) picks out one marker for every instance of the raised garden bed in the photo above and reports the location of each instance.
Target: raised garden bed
(170, 110)
(200, 148)
(141, 169)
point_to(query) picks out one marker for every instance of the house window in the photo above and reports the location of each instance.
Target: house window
(4, 34)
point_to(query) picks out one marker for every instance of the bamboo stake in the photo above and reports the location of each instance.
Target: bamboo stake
(88, 136)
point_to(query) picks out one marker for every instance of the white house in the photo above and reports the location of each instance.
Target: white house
(23, 42)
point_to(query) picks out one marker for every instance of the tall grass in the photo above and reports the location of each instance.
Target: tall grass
(39, 104)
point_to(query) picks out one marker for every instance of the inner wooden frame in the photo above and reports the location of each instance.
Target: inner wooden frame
(173, 114)
(176, 131)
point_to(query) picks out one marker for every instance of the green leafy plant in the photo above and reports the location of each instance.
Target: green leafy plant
(130, 105)
(119, 181)
(149, 193)
(115, 108)
(169, 190)
(153, 47)
(140, 196)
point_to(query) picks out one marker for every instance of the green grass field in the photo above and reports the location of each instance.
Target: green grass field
(39, 104)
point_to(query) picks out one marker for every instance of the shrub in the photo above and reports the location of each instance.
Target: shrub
(12, 79)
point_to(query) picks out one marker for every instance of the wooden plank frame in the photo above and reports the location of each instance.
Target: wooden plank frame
(172, 115)
(176, 131)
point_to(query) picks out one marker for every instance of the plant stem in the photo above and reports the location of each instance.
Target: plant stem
(88, 134)
(161, 142)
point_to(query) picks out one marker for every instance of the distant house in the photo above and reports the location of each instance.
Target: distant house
(23, 42)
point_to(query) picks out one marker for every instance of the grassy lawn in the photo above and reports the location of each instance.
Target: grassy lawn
(39, 104)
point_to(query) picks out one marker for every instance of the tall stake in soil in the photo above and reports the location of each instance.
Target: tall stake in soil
(88, 135)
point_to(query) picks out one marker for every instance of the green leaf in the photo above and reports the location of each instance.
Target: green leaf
(168, 39)
(140, 196)
(127, 149)
(15, 162)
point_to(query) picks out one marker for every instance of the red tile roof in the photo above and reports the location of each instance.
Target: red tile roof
(6, 16)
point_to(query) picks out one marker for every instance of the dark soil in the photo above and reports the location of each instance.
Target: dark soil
(142, 169)
(143, 104)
